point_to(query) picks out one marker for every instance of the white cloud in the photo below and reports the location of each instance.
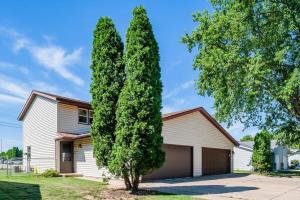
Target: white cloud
(174, 106)
(19, 41)
(6, 65)
(167, 109)
(14, 88)
(24, 70)
(57, 59)
(4, 98)
(238, 130)
(236, 127)
(177, 62)
(13, 91)
(53, 57)
(177, 90)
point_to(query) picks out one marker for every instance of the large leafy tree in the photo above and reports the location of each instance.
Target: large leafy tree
(249, 61)
(262, 154)
(14, 152)
(107, 82)
(138, 146)
(247, 138)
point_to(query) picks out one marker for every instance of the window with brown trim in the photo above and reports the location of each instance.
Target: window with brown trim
(91, 113)
(82, 116)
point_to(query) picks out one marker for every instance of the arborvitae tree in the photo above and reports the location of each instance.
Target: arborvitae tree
(138, 146)
(107, 82)
(262, 154)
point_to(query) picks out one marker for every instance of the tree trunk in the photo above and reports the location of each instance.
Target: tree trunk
(135, 183)
(127, 181)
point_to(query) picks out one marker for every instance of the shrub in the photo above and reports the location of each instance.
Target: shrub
(294, 164)
(262, 155)
(50, 173)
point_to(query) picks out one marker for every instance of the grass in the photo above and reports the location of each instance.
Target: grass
(287, 173)
(36, 188)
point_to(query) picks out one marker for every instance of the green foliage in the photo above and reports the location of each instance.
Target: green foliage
(262, 154)
(247, 138)
(107, 82)
(137, 150)
(249, 62)
(294, 164)
(49, 173)
(14, 152)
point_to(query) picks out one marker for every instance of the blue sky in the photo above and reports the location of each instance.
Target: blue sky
(46, 45)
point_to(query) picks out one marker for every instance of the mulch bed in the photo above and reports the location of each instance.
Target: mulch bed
(120, 194)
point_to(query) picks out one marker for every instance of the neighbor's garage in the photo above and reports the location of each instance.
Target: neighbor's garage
(215, 161)
(178, 163)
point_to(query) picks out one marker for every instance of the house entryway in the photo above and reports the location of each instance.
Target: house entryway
(66, 157)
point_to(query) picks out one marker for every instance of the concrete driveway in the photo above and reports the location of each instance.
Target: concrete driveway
(231, 186)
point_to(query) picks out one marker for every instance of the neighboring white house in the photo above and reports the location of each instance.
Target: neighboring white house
(56, 135)
(243, 155)
(294, 155)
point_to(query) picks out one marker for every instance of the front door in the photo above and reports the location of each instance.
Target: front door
(66, 157)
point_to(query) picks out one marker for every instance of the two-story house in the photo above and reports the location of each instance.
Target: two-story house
(56, 135)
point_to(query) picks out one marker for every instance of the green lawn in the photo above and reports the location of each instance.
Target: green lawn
(35, 188)
(288, 173)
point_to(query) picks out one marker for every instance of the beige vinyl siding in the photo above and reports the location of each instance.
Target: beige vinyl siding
(242, 158)
(68, 120)
(39, 132)
(195, 130)
(84, 161)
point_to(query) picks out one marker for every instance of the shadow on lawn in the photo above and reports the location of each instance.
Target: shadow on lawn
(13, 190)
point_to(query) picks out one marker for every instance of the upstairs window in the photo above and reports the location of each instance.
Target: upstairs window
(82, 116)
(91, 113)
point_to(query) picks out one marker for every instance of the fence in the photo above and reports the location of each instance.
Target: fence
(12, 167)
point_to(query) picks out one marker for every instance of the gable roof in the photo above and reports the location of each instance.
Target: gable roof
(250, 144)
(66, 100)
(85, 104)
(177, 114)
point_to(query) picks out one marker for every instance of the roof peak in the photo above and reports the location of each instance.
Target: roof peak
(84, 104)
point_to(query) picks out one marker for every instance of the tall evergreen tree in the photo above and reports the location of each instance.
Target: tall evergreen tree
(107, 82)
(262, 154)
(138, 150)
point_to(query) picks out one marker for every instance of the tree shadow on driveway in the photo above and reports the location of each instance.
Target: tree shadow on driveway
(201, 189)
(13, 190)
(200, 178)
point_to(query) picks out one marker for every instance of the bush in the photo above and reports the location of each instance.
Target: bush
(294, 164)
(262, 154)
(50, 173)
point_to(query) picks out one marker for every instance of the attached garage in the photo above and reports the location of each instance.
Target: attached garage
(215, 161)
(210, 144)
(195, 145)
(178, 163)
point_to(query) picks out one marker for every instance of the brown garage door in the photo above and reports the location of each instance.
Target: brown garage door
(215, 161)
(178, 164)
